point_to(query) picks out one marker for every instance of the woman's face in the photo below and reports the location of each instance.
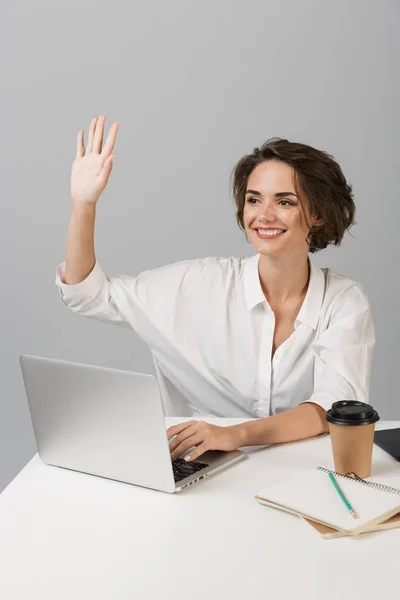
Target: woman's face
(273, 215)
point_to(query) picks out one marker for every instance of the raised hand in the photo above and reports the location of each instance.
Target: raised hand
(91, 168)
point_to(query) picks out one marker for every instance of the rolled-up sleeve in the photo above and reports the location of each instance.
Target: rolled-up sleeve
(149, 302)
(343, 351)
(92, 297)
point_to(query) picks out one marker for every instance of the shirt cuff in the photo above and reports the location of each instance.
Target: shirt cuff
(85, 288)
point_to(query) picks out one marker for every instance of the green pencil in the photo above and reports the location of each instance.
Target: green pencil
(342, 496)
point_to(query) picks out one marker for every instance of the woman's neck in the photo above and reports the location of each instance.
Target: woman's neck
(283, 278)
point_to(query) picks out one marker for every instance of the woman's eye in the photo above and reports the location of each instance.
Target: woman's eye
(281, 202)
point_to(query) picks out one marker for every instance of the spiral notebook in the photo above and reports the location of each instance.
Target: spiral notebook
(329, 533)
(311, 495)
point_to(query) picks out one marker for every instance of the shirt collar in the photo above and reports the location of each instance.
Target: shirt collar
(252, 286)
(311, 307)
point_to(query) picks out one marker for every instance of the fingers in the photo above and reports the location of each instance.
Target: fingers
(98, 135)
(80, 148)
(197, 452)
(184, 445)
(110, 141)
(95, 139)
(186, 436)
(177, 429)
(179, 439)
(92, 128)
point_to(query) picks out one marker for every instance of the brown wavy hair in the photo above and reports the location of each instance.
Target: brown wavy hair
(318, 179)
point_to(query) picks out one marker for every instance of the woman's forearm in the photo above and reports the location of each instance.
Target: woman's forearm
(304, 421)
(80, 255)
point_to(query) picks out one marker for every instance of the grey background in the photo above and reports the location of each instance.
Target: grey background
(195, 85)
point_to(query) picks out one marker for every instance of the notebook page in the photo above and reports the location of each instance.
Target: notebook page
(312, 494)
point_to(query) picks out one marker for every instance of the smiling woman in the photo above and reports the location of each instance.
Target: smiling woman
(270, 336)
(315, 185)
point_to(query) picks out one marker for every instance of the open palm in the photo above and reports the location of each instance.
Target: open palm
(91, 169)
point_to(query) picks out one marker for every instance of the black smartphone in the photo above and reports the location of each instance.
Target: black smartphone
(389, 440)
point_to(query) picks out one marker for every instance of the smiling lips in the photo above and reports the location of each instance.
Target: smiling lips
(268, 234)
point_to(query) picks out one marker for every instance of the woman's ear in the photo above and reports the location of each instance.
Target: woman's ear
(317, 222)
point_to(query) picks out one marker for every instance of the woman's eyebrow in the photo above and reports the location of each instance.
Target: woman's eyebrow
(253, 192)
(277, 195)
(280, 194)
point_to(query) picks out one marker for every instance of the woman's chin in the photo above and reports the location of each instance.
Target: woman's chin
(269, 247)
(280, 248)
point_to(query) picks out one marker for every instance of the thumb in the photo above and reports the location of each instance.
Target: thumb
(107, 168)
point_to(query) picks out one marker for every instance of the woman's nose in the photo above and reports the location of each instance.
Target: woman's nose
(268, 212)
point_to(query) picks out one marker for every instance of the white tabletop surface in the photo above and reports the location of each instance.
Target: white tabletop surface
(67, 535)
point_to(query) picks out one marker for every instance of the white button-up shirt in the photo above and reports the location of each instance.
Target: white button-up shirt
(210, 330)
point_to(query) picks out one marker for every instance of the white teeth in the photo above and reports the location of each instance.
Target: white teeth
(270, 232)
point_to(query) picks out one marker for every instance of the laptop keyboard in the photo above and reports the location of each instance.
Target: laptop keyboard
(183, 469)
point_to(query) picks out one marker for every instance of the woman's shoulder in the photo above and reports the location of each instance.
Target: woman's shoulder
(209, 273)
(208, 265)
(343, 289)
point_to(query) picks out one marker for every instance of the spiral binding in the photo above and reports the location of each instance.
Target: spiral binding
(371, 484)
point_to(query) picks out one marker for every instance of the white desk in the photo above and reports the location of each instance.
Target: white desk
(66, 535)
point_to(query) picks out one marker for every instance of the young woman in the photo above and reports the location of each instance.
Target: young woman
(272, 336)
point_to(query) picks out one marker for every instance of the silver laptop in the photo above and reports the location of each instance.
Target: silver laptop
(109, 423)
